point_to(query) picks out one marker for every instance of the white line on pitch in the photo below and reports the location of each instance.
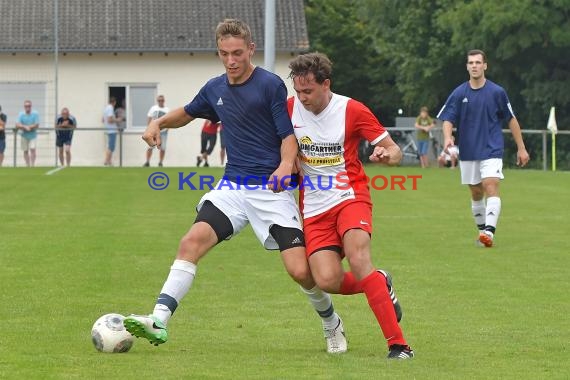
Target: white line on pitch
(53, 171)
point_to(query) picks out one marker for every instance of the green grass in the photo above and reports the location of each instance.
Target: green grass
(88, 241)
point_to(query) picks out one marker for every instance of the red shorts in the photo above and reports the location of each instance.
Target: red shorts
(328, 228)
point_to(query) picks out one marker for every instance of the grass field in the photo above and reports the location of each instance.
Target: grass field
(88, 241)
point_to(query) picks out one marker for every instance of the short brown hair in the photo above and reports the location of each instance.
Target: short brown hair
(424, 108)
(235, 28)
(316, 63)
(475, 52)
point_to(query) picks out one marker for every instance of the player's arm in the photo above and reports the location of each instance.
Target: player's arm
(174, 119)
(282, 175)
(522, 154)
(447, 132)
(386, 151)
(2, 123)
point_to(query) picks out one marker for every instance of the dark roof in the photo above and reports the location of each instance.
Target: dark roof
(142, 25)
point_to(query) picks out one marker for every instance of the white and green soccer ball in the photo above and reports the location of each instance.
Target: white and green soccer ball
(109, 335)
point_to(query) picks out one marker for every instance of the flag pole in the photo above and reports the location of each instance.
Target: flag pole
(553, 128)
(553, 152)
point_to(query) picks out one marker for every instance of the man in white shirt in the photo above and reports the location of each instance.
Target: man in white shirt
(154, 113)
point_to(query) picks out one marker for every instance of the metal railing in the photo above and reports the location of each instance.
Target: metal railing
(88, 150)
(405, 138)
(48, 135)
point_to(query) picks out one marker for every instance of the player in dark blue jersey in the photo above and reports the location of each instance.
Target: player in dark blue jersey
(478, 109)
(260, 143)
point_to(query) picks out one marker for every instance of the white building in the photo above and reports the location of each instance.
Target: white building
(131, 49)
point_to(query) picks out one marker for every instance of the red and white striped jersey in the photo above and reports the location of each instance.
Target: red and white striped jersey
(328, 146)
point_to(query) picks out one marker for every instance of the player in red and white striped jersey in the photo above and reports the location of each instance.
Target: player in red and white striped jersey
(334, 198)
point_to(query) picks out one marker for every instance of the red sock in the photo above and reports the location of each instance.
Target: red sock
(350, 285)
(376, 291)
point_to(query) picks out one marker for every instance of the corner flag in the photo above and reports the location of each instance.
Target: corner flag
(551, 125)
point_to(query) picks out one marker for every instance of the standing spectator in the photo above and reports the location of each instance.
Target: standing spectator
(478, 109)
(3, 119)
(424, 123)
(121, 115)
(222, 144)
(64, 133)
(208, 141)
(110, 122)
(154, 113)
(28, 123)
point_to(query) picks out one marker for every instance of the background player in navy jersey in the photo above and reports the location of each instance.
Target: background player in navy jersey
(478, 109)
(262, 146)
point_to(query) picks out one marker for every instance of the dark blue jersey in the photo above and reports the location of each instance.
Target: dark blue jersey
(479, 116)
(255, 119)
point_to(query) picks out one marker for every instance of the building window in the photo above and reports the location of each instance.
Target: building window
(137, 100)
(13, 95)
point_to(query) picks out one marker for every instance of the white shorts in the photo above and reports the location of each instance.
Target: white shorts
(472, 172)
(261, 208)
(28, 144)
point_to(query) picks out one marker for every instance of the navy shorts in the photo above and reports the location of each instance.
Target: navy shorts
(63, 138)
(208, 143)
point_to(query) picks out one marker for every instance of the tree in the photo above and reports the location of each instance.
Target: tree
(410, 53)
(359, 69)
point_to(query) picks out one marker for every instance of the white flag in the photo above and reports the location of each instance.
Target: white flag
(551, 125)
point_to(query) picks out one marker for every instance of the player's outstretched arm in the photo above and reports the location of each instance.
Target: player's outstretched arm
(174, 119)
(386, 152)
(522, 154)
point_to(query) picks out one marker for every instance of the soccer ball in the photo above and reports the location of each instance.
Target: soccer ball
(109, 335)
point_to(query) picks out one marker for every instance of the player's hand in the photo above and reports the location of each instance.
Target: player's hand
(522, 157)
(447, 143)
(280, 179)
(152, 135)
(380, 154)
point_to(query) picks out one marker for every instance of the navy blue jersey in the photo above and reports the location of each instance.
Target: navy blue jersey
(255, 119)
(65, 134)
(479, 116)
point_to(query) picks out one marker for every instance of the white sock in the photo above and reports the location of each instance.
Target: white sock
(493, 211)
(478, 211)
(175, 287)
(322, 303)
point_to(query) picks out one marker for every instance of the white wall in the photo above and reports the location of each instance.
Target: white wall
(83, 82)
